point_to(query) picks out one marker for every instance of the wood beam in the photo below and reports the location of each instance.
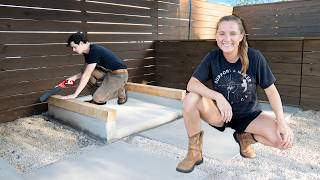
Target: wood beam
(172, 93)
(88, 109)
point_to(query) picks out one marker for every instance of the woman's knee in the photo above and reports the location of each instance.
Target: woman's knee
(273, 138)
(190, 102)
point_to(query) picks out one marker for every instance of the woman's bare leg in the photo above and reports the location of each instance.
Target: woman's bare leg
(196, 107)
(264, 128)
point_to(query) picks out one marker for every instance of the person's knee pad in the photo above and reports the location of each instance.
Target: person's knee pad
(92, 80)
(98, 74)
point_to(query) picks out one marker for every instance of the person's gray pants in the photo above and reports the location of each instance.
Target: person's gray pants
(109, 85)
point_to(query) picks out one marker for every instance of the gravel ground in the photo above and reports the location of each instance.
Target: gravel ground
(33, 142)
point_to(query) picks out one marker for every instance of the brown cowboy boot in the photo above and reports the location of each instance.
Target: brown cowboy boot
(245, 140)
(194, 156)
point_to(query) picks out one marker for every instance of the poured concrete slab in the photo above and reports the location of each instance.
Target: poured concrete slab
(117, 161)
(219, 145)
(8, 172)
(141, 112)
(216, 144)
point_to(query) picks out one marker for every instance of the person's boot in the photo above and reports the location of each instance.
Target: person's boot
(93, 102)
(194, 156)
(245, 140)
(124, 96)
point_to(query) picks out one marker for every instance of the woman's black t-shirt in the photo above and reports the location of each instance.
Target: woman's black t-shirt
(239, 89)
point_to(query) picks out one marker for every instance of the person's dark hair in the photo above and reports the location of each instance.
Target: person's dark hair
(243, 46)
(77, 38)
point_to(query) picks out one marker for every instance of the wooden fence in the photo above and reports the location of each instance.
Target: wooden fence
(300, 57)
(204, 18)
(283, 19)
(33, 56)
(310, 83)
(189, 19)
(285, 59)
(176, 60)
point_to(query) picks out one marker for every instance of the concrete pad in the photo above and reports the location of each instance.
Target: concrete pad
(117, 161)
(141, 112)
(219, 145)
(168, 102)
(216, 144)
(8, 172)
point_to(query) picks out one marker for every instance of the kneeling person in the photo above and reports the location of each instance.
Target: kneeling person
(103, 69)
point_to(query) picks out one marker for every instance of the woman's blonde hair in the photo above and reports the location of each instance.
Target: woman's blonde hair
(243, 46)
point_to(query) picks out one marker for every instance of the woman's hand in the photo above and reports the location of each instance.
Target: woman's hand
(71, 96)
(224, 107)
(286, 134)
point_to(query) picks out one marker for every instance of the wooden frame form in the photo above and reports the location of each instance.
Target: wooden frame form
(108, 114)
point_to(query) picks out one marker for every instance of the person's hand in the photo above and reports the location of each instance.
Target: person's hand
(225, 108)
(71, 96)
(71, 80)
(286, 134)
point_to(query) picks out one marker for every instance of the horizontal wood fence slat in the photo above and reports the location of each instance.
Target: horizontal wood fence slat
(56, 4)
(116, 9)
(19, 112)
(38, 74)
(38, 62)
(14, 89)
(41, 38)
(36, 25)
(40, 14)
(61, 49)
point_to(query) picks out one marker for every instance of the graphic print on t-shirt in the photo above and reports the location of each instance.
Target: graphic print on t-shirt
(235, 86)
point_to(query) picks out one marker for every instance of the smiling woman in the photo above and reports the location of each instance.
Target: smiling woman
(235, 71)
